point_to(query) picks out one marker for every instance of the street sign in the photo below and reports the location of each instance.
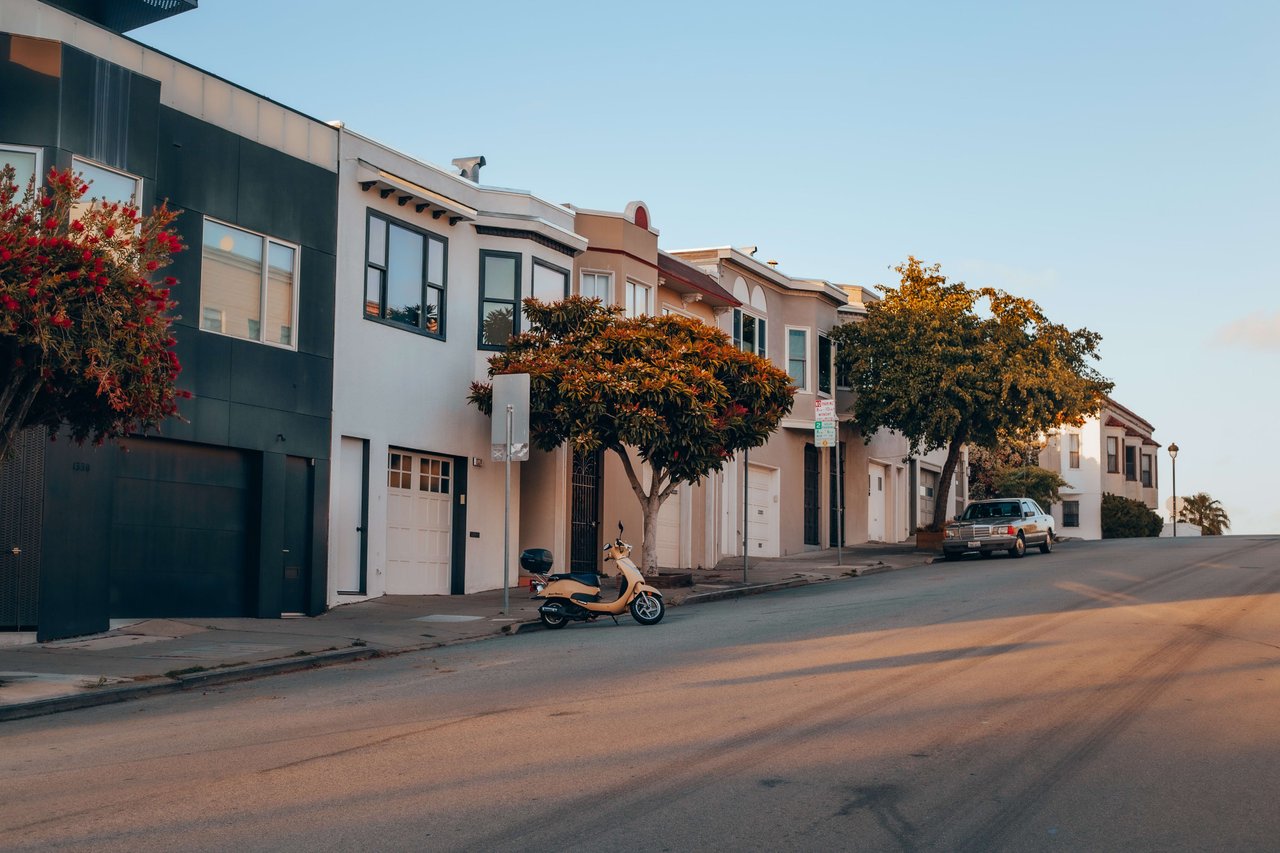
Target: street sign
(510, 397)
(824, 423)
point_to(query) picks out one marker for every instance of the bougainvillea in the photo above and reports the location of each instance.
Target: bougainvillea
(674, 389)
(85, 339)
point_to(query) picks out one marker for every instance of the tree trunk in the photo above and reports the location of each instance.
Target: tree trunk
(17, 395)
(941, 500)
(660, 488)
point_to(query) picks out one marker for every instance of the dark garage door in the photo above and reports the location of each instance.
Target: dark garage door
(180, 532)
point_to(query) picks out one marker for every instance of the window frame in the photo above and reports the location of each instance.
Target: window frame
(759, 323)
(607, 275)
(806, 387)
(1073, 450)
(516, 312)
(1113, 454)
(631, 286)
(267, 240)
(829, 361)
(1071, 519)
(547, 265)
(384, 268)
(1130, 463)
(1145, 468)
(38, 169)
(77, 162)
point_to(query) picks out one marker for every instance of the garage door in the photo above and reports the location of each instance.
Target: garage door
(762, 511)
(180, 531)
(419, 523)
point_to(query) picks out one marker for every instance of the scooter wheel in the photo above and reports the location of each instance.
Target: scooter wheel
(648, 609)
(553, 621)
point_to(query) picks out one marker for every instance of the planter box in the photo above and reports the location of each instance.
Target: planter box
(929, 540)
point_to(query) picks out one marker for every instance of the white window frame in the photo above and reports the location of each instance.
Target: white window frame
(634, 287)
(739, 320)
(77, 164)
(807, 386)
(607, 275)
(39, 166)
(262, 290)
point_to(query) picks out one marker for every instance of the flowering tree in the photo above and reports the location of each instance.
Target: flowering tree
(84, 331)
(674, 389)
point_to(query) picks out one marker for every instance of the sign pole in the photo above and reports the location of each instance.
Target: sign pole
(746, 519)
(506, 525)
(839, 499)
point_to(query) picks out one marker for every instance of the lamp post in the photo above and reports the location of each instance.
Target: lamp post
(1173, 457)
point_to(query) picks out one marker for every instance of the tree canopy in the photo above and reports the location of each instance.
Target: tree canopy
(84, 330)
(948, 365)
(673, 388)
(1204, 512)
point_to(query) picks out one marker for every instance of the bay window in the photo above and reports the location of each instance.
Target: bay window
(499, 296)
(749, 332)
(405, 276)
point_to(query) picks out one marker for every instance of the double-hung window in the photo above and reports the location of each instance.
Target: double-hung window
(798, 358)
(639, 299)
(248, 285)
(597, 285)
(1146, 470)
(499, 297)
(1113, 455)
(826, 359)
(405, 276)
(1073, 449)
(550, 282)
(749, 332)
(1130, 462)
(105, 185)
(1071, 513)
(26, 164)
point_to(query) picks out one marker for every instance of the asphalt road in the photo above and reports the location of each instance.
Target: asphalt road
(1109, 696)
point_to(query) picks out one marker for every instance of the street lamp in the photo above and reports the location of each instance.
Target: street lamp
(1173, 456)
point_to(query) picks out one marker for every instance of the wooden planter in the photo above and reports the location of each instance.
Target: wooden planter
(929, 540)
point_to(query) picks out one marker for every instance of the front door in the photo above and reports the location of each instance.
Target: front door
(811, 496)
(352, 517)
(21, 501)
(584, 523)
(296, 557)
(876, 504)
(838, 495)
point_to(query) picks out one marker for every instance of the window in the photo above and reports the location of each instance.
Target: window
(638, 299)
(1113, 455)
(1146, 470)
(748, 332)
(499, 295)
(597, 285)
(826, 354)
(433, 475)
(244, 278)
(405, 276)
(399, 470)
(798, 357)
(550, 283)
(105, 184)
(1071, 513)
(1073, 449)
(1131, 463)
(25, 162)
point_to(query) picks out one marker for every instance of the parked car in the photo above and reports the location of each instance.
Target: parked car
(999, 524)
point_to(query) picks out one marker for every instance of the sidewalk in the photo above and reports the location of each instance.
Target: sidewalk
(167, 655)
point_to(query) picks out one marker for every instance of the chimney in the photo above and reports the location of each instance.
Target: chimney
(469, 167)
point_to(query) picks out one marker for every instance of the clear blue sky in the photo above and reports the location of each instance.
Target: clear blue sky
(1117, 162)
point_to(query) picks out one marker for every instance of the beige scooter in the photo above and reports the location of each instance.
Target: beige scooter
(575, 596)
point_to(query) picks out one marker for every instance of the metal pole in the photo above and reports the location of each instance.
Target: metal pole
(746, 519)
(506, 525)
(839, 500)
(1175, 497)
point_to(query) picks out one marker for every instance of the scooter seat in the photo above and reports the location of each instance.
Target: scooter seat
(587, 578)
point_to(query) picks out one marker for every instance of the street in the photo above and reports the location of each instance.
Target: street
(1118, 695)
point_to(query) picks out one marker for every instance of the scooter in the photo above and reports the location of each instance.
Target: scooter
(575, 596)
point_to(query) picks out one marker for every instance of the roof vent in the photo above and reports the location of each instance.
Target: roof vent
(469, 167)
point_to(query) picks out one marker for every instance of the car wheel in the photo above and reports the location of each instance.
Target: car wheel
(1047, 545)
(1019, 547)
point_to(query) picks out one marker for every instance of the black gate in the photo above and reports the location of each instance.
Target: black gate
(21, 516)
(838, 497)
(584, 525)
(811, 496)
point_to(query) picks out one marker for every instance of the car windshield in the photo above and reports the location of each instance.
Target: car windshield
(994, 510)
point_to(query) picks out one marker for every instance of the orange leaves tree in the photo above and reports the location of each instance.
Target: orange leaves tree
(84, 328)
(948, 365)
(674, 389)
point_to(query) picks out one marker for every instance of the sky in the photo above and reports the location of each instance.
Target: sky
(1119, 163)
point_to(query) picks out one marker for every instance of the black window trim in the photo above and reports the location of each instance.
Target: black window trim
(372, 214)
(515, 313)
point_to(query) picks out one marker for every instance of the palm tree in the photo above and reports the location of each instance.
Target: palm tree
(1205, 512)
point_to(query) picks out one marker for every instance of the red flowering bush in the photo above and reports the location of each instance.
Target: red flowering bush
(84, 327)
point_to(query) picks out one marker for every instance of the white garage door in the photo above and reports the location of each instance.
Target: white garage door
(419, 523)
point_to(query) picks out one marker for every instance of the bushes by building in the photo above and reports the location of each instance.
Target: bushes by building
(1124, 518)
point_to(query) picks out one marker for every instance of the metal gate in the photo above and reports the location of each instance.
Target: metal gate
(21, 516)
(811, 496)
(838, 496)
(584, 523)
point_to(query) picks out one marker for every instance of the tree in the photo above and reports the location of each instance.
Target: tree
(1029, 481)
(1204, 512)
(1124, 518)
(926, 363)
(986, 464)
(84, 332)
(674, 389)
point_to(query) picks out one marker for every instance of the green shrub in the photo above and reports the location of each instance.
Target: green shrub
(1123, 518)
(1029, 481)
